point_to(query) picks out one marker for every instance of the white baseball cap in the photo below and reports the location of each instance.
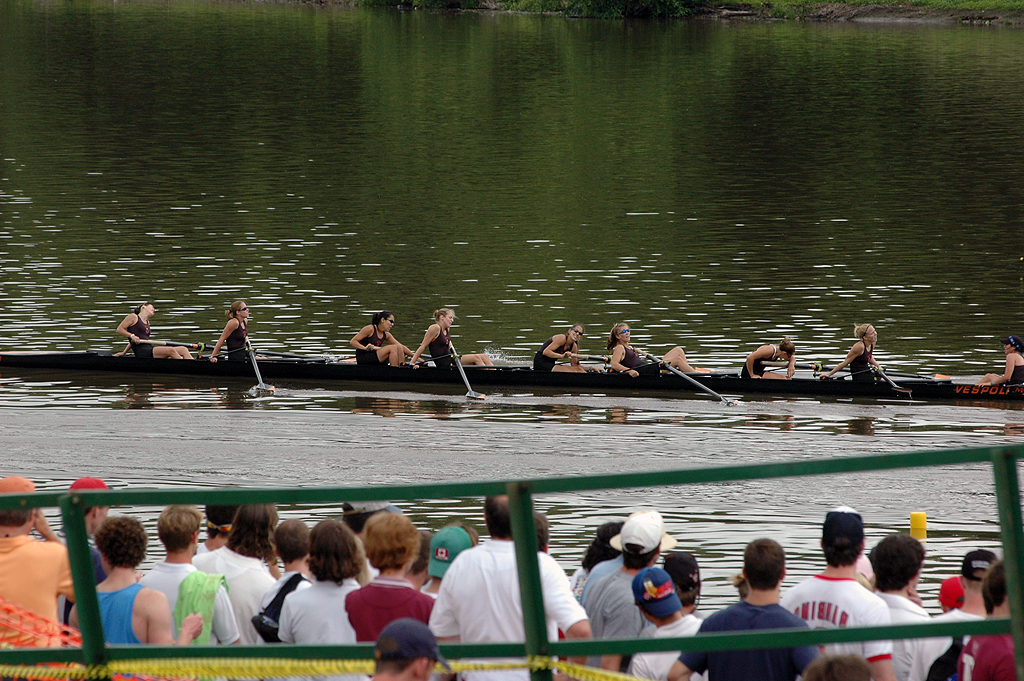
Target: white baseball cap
(645, 529)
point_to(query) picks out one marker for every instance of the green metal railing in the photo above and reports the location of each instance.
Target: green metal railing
(521, 492)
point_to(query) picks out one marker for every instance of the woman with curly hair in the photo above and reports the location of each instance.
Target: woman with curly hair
(247, 563)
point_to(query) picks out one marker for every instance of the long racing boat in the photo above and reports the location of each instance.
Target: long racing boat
(332, 372)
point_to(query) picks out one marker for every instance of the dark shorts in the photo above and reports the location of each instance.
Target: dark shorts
(143, 351)
(368, 357)
(746, 374)
(444, 363)
(541, 362)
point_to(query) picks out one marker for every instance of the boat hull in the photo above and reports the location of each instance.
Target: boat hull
(331, 373)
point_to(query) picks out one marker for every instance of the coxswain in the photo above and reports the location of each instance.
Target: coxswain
(1013, 346)
(754, 367)
(626, 360)
(437, 341)
(374, 343)
(135, 327)
(560, 346)
(235, 333)
(860, 359)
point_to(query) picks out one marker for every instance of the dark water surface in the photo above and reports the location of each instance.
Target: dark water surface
(714, 185)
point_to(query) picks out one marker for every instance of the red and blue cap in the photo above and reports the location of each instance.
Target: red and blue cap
(654, 591)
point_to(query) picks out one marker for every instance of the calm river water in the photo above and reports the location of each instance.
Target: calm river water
(715, 185)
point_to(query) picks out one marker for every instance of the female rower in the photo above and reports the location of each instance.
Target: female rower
(1013, 346)
(626, 359)
(235, 333)
(374, 343)
(754, 366)
(859, 358)
(438, 341)
(558, 347)
(135, 327)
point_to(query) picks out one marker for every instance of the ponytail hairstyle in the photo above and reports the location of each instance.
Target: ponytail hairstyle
(443, 312)
(232, 312)
(138, 308)
(860, 329)
(613, 337)
(787, 347)
(378, 317)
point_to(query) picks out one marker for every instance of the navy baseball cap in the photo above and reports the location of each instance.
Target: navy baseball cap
(845, 523)
(1015, 341)
(979, 559)
(408, 639)
(654, 591)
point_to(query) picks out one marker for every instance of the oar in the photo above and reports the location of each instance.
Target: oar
(594, 358)
(195, 346)
(261, 386)
(695, 382)
(891, 384)
(472, 393)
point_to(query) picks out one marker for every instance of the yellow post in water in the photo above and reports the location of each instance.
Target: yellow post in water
(919, 525)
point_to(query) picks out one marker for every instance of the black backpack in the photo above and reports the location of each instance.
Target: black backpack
(944, 667)
(266, 622)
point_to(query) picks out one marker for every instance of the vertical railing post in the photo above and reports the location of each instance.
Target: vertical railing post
(1004, 468)
(524, 534)
(88, 606)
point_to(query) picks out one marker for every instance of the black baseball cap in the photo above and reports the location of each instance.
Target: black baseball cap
(979, 559)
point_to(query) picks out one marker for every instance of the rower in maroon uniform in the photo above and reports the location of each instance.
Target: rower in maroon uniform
(860, 359)
(235, 333)
(558, 347)
(374, 343)
(135, 327)
(754, 366)
(437, 341)
(627, 360)
(1013, 346)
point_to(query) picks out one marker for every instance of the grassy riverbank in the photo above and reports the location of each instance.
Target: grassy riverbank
(969, 12)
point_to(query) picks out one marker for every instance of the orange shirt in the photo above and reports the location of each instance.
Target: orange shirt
(32, 574)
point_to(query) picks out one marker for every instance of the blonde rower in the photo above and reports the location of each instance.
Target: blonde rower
(754, 366)
(235, 333)
(626, 359)
(437, 340)
(860, 359)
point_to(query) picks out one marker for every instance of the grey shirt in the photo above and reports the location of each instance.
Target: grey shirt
(613, 612)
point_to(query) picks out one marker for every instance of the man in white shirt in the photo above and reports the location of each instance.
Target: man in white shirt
(835, 599)
(925, 651)
(178, 529)
(479, 601)
(897, 561)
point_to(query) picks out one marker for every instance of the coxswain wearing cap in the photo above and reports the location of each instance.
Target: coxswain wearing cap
(1013, 346)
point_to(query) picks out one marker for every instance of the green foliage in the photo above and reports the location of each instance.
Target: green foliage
(630, 8)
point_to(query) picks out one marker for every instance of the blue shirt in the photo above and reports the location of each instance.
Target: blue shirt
(116, 614)
(597, 573)
(770, 664)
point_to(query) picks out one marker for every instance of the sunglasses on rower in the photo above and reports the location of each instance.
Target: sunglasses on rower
(624, 331)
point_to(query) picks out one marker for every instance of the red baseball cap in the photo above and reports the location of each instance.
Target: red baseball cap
(951, 593)
(89, 483)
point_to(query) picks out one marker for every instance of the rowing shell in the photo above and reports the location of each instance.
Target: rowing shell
(323, 371)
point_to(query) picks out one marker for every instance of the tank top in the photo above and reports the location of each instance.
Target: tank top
(116, 614)
(439, 346)
(631, 359)
(140, 329)
(1018, 374)
(542, 362)
(759, 366)
(236, 341)
(860, 368)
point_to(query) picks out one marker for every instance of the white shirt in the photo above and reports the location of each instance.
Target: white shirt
(167, 577)
(903, 611)
(834, 603)
(272, 591)
(317, 615)
(248, 579)
(479, 601)
(655, 666)
(924, 651)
